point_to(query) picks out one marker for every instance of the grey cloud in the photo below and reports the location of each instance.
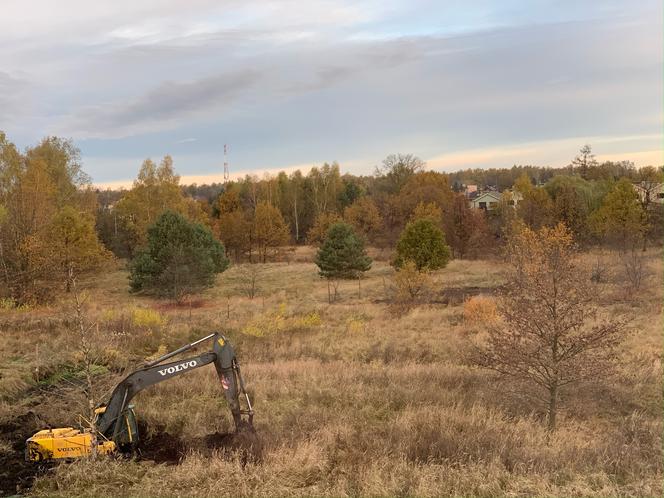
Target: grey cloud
(167, 102)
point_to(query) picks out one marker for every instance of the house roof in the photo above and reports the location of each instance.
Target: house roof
(488, 196)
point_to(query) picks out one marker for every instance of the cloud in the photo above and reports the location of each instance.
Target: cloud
(287, 82)
(163, 106)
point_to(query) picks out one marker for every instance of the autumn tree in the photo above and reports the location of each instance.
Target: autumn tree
(365, 218)
(426, 187)
(317, 233)
(397, 169)
(70, 245)
(181, 258)
(552, 335)
(34, 188)
(341, 256)
(535, 206)
(464, 227)
(621, 218)
(235, 231)
(650, 180)
(269, 229)
(427, 211)
(573, 200)
(155, 190)
(423, 243)
(325, 186)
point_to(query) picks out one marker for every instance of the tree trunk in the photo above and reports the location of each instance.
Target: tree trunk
(297, 224)
(553, 408)
(329, 296)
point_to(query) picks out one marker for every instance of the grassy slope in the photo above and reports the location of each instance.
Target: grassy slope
(357, 400)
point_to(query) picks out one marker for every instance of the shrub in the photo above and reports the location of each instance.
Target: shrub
(480, 310)
(423, 243)
(147, 318)
(411, 283)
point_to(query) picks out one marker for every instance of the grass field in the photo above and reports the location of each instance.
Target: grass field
(352, 398)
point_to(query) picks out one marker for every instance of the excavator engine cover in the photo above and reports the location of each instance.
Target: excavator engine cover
(63, 443)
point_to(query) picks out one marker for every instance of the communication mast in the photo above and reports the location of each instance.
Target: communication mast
(225, 163)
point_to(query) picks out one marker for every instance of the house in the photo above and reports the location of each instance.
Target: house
(655, 191)
(487, 201)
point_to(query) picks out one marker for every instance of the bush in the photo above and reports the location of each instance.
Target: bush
(411, 284)
(423, 243)
(480, 310)
(147, 318)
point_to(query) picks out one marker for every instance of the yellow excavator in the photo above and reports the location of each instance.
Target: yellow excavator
(115, 427)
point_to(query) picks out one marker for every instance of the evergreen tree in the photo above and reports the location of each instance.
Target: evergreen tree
(423, 243)
(342, 255)
(181, 258)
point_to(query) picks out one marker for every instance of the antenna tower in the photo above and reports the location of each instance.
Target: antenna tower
(225, 163)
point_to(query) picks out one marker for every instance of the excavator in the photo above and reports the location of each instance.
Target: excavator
(115, 427)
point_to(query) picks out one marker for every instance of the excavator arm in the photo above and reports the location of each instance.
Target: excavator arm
(222, 355)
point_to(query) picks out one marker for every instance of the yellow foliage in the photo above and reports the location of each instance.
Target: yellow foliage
(480, 310)
(9, 304)
(277, 320)
(147, 318)
(355, 324)
(309, 320)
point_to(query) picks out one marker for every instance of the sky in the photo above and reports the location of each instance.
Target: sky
(292, 84)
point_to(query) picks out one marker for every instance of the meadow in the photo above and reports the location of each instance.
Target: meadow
(357, 397)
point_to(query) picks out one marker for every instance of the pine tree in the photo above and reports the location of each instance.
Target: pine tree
(342, 255)
(182, 258)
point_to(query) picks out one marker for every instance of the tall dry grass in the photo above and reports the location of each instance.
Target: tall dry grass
(358, 401)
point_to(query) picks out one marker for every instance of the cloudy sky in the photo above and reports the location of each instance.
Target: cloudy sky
(294, 83)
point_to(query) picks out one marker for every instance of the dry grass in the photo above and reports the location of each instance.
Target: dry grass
(357, 401)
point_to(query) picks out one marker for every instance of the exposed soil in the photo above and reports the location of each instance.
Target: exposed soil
(161, 446)
(17, 475)
(453, 296)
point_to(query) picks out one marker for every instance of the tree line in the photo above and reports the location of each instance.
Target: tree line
(54, 225)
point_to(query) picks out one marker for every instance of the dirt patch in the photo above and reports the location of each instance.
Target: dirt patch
(453, 296)
(161, 446)
(17, 475)
(173, 306)
(245, 443)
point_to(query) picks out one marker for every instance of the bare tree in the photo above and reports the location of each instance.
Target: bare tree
(250, 276)
(635, 268)
(551, 336)
(90, 352)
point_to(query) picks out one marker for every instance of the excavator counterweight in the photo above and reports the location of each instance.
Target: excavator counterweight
(115, 428)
